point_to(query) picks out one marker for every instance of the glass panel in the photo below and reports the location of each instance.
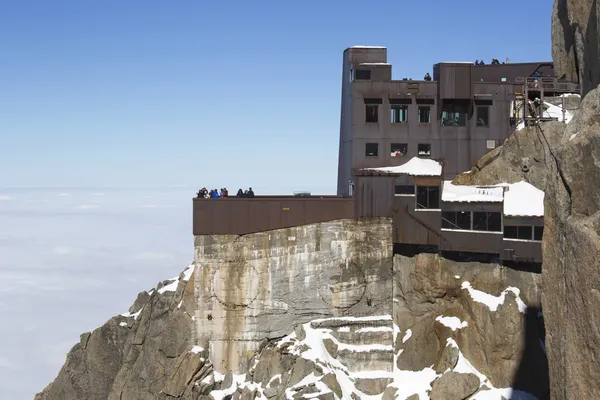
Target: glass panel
(525, 232)
(463, 220)
(422, 193)
(398, 149)
(434, 197)
(371, 113)
(424, 115)
(371, 149)
(511, 232)
(538, 233)
(483, 116)
(405, 189)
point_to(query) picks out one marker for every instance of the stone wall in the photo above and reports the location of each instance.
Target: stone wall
(261, 285)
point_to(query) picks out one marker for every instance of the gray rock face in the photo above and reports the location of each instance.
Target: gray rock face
(454, 386)
(576, 41)
(499, 343)
(505, 164)
(571, 245)
(324, 310)
(137, 356)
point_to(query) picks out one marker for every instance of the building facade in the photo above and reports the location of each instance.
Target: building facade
(463, 112)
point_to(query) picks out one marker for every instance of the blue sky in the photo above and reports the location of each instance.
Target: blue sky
(224, 93)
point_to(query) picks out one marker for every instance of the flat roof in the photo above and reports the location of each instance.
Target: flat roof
(415, 166)
(468, 194)
(367, 47)
(520, 199)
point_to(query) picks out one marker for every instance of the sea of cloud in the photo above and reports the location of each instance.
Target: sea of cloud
(71, 258)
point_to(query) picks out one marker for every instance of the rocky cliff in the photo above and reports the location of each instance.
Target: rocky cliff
(576, 41)
(321, 311)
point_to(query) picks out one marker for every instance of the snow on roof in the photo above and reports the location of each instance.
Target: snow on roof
(463, 193)
(523, 200)
(553, 111)
(368, 47)
(374, 63)
(456, 62)
(415, 166)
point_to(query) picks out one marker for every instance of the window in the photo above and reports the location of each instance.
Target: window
(487, 221)
(362, 74)
(538, 232)
(524, 232)
(405, 190)
(399, 149)
(428, 197)
(483, 116)
(456, 220)
(399, 114)
(454, 113)
(490, 144)
(372, 113)
(424, 115)
(424, 149)
(372, 149)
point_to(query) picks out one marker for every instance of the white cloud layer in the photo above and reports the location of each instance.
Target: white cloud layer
(73, 258)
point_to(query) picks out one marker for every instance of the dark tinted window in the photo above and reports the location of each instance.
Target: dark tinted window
(483, 116)
(371, 113)
(398, 149)
(424, 115)
(524, 232)
(424, 149)
(487, 221)
(362, 74)
(456, 220)
(405, 189)
(372, 149)
(538, 232)
(428, 197)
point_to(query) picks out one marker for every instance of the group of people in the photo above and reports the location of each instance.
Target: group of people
(494, 61)
(217, 194)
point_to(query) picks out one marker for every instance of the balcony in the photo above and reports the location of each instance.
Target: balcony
(241, 216)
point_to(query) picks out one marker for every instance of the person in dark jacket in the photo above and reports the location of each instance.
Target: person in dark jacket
(427, 77)
(250, 193)
(240, 193)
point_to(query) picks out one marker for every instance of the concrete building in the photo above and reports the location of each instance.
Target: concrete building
(459, 115)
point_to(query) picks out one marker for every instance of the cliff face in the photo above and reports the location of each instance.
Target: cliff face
(322, 310)
(571, 247)
(576, 41)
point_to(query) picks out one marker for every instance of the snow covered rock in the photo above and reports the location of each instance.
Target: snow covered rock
(454, 386)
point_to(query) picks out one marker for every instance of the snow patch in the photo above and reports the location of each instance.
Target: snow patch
(196, 349)
(187, 274)
(134, 315)
(491, 301)
(466, 194)
(344, 329)
(407, 335)
(171, 287)
(453, 323)
(375, 329)
(5, 198)
(523, 199)
(415, 166)
(124, 324)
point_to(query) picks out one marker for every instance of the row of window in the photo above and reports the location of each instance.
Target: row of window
(428, 197)
(398, 149)
(450, 117)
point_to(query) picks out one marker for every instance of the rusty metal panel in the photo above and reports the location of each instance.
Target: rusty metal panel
(427, 181)
(415, 227)
(239, 216)
(471, 241)
(528, 251)
(375, 195)
(463, 85)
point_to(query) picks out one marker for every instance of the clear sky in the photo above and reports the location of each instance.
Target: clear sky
(216, 93)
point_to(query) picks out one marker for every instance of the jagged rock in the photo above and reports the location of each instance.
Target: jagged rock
(454, 386)
(300, 334)
(448, 359)
(576, 42)
(302, 368)
(389, 393)
(332, 383)
(426, 287)
(331, 347)
(505, 164)
(133, 357)
(571, 245)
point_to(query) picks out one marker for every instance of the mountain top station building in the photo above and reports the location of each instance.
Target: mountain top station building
(401, 142)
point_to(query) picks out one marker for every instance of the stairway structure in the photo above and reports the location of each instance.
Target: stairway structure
(365, 346)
